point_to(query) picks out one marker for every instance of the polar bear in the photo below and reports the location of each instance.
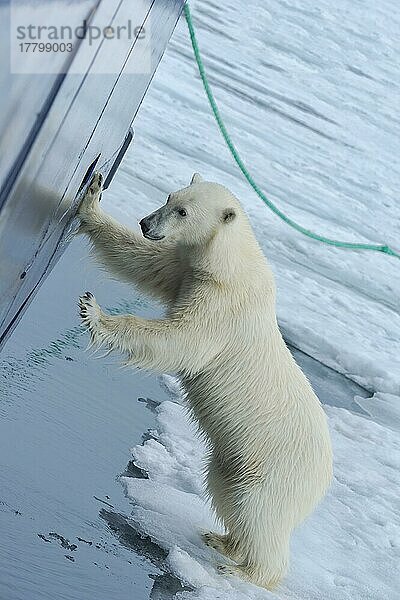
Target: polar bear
(270, 459)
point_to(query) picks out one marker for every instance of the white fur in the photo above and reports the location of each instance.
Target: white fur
(270, 456)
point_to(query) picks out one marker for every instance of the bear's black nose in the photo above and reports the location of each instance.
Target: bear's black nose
(144, 225)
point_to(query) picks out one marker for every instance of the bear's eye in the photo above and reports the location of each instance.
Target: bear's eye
(182, 212)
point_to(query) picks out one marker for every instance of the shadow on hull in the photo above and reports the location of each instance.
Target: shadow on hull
(61, 117)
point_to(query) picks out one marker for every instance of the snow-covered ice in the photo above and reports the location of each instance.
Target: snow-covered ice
(310, 94)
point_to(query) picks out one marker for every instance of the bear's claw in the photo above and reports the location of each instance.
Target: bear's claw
(90, 201)
(214, 540)
(225, 569)
(96, 184)
(220, 543)
(89, 310)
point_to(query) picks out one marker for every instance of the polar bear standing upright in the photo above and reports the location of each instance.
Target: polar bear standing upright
(270, 456)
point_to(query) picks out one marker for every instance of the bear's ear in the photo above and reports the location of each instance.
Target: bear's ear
(196, 178)
(228, 215)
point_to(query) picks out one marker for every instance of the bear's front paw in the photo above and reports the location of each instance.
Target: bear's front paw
(91, 315)
(96, 185)
(91, 199)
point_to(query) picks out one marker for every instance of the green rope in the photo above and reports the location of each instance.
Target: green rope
(356, 246)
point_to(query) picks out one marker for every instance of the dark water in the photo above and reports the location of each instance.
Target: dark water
(67, 421)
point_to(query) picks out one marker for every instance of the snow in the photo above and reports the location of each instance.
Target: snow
(309, 92)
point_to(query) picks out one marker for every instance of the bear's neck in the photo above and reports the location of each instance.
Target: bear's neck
(226, 258)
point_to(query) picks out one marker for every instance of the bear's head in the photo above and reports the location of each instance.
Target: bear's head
(194, 214)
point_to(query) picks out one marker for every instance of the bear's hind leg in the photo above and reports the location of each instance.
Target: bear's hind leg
(262, 539)
(219, 488)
